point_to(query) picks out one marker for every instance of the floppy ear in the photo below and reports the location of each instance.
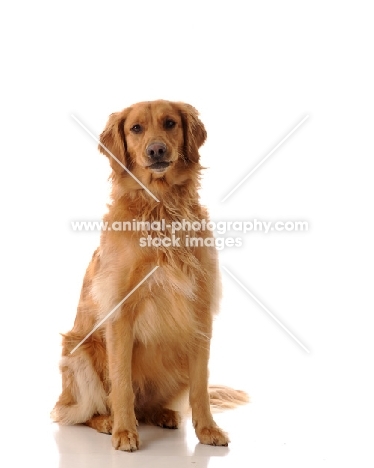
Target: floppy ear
(113, 139)
(193, 131)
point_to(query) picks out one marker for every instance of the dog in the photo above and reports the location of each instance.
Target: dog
(150, 353)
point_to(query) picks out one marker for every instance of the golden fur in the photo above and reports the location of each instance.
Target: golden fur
(154, 349)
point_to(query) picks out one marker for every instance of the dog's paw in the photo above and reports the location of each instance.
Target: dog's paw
(168, 419)
(101, 423)
(126, 440)
(212, 435)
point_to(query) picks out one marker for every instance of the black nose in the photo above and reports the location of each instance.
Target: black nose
(156, 150)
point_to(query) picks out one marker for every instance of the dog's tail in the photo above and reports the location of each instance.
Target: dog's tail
(222, 397)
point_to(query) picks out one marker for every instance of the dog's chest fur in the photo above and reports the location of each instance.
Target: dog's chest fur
(165, 311)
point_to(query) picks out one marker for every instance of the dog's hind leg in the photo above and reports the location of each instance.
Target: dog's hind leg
(83, 394)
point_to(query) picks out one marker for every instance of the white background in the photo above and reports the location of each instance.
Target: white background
(254, 70)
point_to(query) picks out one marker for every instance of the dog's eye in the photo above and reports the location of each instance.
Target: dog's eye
(136, 128)
(169, 124)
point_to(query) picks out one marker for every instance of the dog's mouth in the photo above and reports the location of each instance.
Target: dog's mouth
(159, 166)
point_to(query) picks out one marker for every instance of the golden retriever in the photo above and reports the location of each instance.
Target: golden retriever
(153, 349)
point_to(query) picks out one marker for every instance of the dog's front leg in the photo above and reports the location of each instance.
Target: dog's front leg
(206, 429)
(119, 338)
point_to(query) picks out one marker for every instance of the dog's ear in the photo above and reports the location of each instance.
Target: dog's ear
(113, 142)
(193, 131)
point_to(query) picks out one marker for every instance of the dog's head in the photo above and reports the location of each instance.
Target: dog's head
(153, 138)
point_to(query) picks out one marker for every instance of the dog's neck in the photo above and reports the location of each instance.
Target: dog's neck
(176, 201)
